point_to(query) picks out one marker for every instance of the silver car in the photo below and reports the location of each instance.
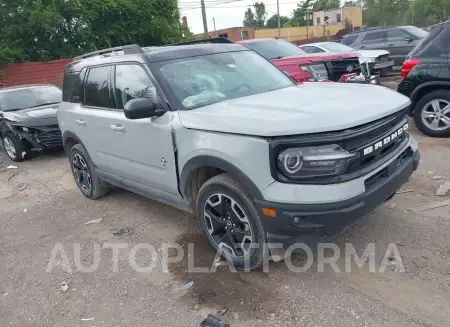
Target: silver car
(218, 131)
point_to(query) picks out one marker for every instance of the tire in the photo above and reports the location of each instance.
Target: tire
(17, 147)
(424, 107)
(84, 174)
(249, 235)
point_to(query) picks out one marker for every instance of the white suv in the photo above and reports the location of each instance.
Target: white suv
(217, 130)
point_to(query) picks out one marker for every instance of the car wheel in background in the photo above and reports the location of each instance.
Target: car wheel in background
(83, 171)
(15, 148)
(231, 223)
(432, 114)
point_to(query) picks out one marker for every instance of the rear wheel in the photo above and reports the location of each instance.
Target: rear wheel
(231, 223)
(15, 148)
(83, 171)
(432, 114)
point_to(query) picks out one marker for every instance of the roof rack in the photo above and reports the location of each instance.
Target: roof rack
(127, 49)
(211, 40)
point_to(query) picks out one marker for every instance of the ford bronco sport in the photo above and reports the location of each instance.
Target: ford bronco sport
(217, 130)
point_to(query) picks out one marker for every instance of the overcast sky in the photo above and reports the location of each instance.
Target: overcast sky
(227, 13)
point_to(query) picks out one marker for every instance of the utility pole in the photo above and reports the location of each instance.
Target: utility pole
(214, 21)
(412, 12)
(279, 20)
(205, 22)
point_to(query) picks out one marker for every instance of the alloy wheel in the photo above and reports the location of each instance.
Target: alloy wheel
(228, 225)
(81, 172)
(9, 147)
(436, 115)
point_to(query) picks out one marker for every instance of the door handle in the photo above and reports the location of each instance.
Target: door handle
(81, 122)
(390, 45)
(118, 128)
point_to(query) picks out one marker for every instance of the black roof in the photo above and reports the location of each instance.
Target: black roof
(370, 29)
(156, 53)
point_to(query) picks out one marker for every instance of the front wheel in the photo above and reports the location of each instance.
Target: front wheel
(231, 223)
(432, 114)
(15, 148)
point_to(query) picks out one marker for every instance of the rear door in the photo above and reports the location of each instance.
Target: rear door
(399, 44)
(375, 40)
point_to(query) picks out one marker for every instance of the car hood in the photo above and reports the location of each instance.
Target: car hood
(372, 53)
(315, 57)
(34, 117)
(302, 109)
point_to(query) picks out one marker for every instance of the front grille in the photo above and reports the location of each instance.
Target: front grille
(337, 68)
(50, 139)
(383, 59)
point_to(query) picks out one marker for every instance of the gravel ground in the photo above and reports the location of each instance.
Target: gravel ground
(42, 207)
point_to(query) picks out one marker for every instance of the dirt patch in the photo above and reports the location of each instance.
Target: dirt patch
(247, 294)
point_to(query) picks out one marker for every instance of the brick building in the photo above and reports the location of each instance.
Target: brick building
(234, 33)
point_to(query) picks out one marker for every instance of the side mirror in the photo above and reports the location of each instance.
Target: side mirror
(408, 38)
(142, 108)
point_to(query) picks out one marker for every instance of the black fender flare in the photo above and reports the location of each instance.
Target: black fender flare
(416, 91)
(69, 135)
(194, 163)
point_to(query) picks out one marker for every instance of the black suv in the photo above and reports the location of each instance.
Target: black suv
(399, 40)
(426, 80)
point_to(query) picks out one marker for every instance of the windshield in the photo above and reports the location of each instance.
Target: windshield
(420, 33)
(29, 97)
(336, 47)
(204, 80)
(275, 49)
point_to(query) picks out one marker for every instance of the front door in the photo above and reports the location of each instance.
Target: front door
(399, 44)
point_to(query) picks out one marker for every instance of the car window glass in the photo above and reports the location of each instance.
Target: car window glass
(96, 88)
(375, 37)
(29, 97)
(348, 40)
(312, 49)
(396, 35)
(427, 46)
(132, 82)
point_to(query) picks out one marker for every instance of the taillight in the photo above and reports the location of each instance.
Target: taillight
(408, 65)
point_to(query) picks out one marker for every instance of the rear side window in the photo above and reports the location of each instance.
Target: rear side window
(375, 37)
(96, 88)
(427, 46)
(132, 82)
(348, 40)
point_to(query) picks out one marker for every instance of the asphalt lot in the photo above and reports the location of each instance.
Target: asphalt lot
(41, 207)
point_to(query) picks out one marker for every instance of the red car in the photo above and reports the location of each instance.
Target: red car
(304, 67)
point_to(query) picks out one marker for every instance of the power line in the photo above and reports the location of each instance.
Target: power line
(195, 5)
(238, 6)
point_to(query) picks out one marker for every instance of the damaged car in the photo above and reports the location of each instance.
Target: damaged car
(28, 119)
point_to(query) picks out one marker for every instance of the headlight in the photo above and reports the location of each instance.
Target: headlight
(364, 60)
(318, 72)
(313, 161)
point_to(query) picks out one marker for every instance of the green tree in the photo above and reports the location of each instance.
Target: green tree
(249, 18)
(326, 5)
(272, 22)
(257, 17)
(299, 15)
(51, 29)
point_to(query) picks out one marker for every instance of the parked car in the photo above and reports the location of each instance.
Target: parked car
(217, 130)
(399, 40)
(28, 119)
(304, 67)
(378, 61)
(426, 80)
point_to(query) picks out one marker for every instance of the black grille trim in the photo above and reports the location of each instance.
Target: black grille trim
(50, 139)
(337, 68)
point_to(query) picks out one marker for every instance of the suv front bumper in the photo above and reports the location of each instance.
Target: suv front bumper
(300, 221)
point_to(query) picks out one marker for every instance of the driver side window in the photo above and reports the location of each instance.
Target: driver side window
(132, 82)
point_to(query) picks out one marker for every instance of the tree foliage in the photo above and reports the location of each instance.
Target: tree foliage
(272, 22)
(255, 17)
(299, 15)
(40, 30)
(326, 5)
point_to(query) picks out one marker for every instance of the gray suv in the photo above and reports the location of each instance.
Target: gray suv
(218, 131)
(399, 40)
